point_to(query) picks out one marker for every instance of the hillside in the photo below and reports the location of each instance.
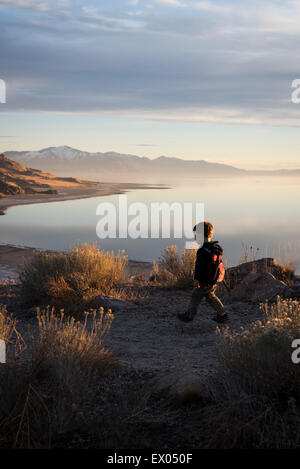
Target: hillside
(16, 179)
(20, 185)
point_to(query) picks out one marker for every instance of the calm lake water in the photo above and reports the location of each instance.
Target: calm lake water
(263, 213)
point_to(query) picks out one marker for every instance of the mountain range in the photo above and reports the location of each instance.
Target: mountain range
(111, 166)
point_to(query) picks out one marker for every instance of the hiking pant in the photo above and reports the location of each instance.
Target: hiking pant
(208, 292)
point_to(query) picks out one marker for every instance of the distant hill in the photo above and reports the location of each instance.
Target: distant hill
(118, 167)
(17, 179)
(112, 166)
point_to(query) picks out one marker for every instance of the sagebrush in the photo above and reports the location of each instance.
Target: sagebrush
(45, 394)
(10, 335)
(70, 342)
(260, 357)
(69, 280)
(175, 269)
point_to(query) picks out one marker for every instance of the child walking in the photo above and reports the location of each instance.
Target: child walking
(209, 270)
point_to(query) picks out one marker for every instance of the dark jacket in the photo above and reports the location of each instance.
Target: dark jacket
(203, 259)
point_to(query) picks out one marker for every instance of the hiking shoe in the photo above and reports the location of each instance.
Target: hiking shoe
(220, 318)
(184, 317)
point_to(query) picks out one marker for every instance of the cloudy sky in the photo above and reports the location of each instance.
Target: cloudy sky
(187, 78)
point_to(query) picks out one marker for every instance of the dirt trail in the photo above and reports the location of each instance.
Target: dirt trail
(150, 337)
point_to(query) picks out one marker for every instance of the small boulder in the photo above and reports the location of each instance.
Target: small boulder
(189, 388)
(260, 286)
(237, 274)
(184, 388)
(108, 302)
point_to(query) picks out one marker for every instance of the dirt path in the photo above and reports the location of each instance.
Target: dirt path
(149, 337)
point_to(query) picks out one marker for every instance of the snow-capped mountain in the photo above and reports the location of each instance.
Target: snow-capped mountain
(111, 166)
(64, 160)
(63, 152)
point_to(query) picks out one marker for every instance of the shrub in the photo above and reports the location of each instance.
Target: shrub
(9, 333)
(288, 272)
(174, 269)
(44, 396)
(260, 357)
(251, 422)
(70, 280)
(68, 352)
(70, 342)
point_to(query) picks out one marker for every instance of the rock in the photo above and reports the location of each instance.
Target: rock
(236, 275)
(10, 188)
(108, 302)
(181, 387)
(189, 387)
(137, 278)
(258, 287)
(49, 191)
(296, 291)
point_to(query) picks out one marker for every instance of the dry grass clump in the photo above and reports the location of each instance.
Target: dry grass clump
(260, 357)
(288, 272)
(44, 395)
(7, 324)
(70, 342)
(174, 269)
(255, 396)
(251, 422)
(69, 280)
(249, 254)
(9, 333)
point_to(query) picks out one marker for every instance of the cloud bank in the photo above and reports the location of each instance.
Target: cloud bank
(206, 61)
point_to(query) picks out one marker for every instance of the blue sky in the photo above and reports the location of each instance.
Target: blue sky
(188, 78)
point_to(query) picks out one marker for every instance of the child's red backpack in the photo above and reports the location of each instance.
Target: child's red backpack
(216, 270)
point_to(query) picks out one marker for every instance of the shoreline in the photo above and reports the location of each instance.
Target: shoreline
(71, 193)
